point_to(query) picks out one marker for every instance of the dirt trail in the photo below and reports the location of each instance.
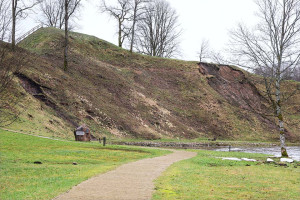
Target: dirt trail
(133, 181)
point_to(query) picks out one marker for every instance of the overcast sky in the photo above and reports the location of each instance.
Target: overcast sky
(199, 19)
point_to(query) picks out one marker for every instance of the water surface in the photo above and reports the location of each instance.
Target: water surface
(293, 152)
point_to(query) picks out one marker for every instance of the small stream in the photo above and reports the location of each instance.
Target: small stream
(293, 152)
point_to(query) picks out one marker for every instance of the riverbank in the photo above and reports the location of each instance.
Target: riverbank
(236, 146)
(198, 145)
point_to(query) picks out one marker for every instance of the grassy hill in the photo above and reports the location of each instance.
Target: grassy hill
(119, 94)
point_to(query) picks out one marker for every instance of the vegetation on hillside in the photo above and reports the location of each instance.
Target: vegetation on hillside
(123, 94)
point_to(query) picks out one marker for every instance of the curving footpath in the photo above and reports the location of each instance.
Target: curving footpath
(132, 181)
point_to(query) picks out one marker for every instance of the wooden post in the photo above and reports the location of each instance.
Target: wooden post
(104, 141)
(229, 148)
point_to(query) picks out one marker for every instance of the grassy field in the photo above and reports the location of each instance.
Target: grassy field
(20, 178)
(208, 177)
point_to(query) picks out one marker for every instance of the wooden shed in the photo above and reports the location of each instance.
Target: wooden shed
(82, 133)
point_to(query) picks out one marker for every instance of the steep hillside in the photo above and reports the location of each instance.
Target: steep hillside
(132, 95)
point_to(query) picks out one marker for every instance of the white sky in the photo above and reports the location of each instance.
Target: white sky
(199, 19)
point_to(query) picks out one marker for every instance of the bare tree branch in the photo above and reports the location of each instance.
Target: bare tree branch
(70, 7)
(5, 19)
(138, 8)
(20, 10)
(52, 13)
(158, 31)
(121, 12)
(204, 50)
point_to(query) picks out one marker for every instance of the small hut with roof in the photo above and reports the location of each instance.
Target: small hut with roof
(82, 133)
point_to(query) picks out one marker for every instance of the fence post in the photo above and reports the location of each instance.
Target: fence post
(104, 141)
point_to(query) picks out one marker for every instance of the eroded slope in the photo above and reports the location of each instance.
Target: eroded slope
(133, 95)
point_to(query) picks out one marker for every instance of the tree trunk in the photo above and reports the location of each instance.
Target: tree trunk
(13, 30)
(133, 31)
(66, 37)
(120, 34)
(280, 119)
(132, 37)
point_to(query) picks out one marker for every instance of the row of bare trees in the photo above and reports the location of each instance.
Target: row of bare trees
(289, 74)
(12, 11)
(20, 10)
(54, 13)
(149, 26)
(5, 19)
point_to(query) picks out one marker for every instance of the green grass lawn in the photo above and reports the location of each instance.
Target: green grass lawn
(20, 178)
(208, 177)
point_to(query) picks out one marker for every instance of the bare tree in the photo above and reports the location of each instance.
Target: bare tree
(53, 13)
(70, 7)
(289, 74)
(121, 12)
(20, 10)
(204, 50)
(138, 8)
(272, 47)
(5, 19)
(296, 74)
(158, 31)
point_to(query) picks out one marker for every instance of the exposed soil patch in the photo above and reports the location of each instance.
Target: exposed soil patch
(38, 91)
(233, 85)
(35, 89)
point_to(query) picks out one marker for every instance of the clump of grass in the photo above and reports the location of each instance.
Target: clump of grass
(22, 179)
(208, 177)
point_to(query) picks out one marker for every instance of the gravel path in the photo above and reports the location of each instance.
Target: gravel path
(132, 181)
